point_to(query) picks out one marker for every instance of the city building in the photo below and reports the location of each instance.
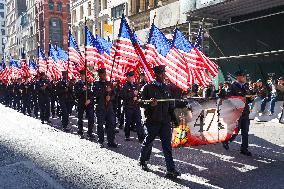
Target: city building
(3, 28)
(52, 23)
(83, 11)
(14, 9)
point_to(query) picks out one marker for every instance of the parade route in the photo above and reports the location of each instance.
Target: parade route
(33, 155)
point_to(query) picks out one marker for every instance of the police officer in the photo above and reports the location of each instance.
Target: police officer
(130, 94)
(34, 90)
(241, 88)
(53, 97)
(158, 118)
(104, 95)
(26, 96)
(85, 100)
(43, 88)
(64, 95)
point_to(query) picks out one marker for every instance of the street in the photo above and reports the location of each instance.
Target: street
(33, 155)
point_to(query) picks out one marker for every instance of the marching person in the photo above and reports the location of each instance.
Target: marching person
(26, 88)
(64, 96)
(158, 118)
(104, 95)
(240, 88)
(131, 107)
(43, 88)
(85, 100)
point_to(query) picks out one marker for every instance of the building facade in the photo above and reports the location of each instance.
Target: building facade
(52, 23)
(3, 28)
(83, 11)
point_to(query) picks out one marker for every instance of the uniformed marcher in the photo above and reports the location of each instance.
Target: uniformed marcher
(64, 95)
(241, 88)
(104, 95)
(130, 92)
(85, 100)
(159, 116)
(35, 104)
(43, 88)
(53, 97)
(26, 96)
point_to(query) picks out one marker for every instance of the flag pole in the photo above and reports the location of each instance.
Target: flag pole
(86, 79)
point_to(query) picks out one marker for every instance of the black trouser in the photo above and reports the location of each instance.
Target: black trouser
(133, 116)
(52, 105)
(243, 125)
(35, 106)
(26, 104)
(105, 117)
(64, 106)
(90, 116)
(44, 107)
(165, 133)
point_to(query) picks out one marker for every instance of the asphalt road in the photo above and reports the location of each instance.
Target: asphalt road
(33, 155)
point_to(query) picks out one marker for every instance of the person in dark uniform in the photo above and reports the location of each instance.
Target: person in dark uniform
(43, 88)
(104, 95)
(130, 92)
(241, 88)
(35, 105)
(159, 116)
(26, 96)
(17, 94)
(85, 100)
(53, 97)
(64, 95)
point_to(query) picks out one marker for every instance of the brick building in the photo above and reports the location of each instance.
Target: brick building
(52, 22)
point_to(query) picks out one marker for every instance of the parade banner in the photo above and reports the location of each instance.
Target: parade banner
(207, 121)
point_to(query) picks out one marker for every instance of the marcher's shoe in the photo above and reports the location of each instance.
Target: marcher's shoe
(101, 145)
(271, 113)
(173, 174)
(144, 166)
(112, 145)
(127, 139)
(246, 152)
(225, 145)
(66, 129)
(42, 122)
(91, 136)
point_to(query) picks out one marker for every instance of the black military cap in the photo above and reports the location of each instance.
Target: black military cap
(280, 78)
(129, 74)
(101, 70)
(82, 72)
(142, 74)
(240, 73)
(159, 69)
(259, 80)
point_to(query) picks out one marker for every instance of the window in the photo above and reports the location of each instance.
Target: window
(51, 5)
(89, 8)
(1, 6)
(117, 11)
(147, 4)
(81, 12)
(3, 32)
(82, 34)
(55, 31)
(59, 6)
(2, 14)
(137, 5)
(156, 2)
(105, 4)
(74, 16)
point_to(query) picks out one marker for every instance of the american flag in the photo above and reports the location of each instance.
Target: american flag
(25, 69)
(42, 61)
(15, 70)
(91, 49)
(33, 68)
(195, 64)
(55, 65)
(74, 53)
(129, 51)
(160, 51)
(211, 66)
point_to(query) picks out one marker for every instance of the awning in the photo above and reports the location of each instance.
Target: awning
(233, 8)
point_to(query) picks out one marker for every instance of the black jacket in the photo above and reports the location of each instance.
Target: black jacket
(100, 94)
(80, 94)
(127, 95)
(237, 90)
(163, 113)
